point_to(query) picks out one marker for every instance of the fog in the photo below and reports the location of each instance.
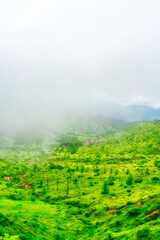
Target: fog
(71, 56)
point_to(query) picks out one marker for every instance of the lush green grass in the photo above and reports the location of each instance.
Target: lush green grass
(102, 191)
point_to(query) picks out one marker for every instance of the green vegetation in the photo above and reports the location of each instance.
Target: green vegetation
(80, 188)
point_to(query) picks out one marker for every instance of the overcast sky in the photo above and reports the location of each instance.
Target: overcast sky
(58, 52)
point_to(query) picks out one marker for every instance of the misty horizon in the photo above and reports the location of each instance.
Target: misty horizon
(82, 57)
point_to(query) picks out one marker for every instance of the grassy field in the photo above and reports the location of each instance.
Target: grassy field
(107, 189)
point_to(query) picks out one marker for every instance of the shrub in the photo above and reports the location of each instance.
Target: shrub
(143, 233)
(128, 190)
(78, 204)
(119, 212)
(33, 198)
(41, 184)
(147, 171)
(112, 194)
(91, 184)
(17, 179)
(15, 196)
(75, 180)
(155, 179)
(138, 180)
(110, 181)
(134, 212)
(82, 169)
(157, 163)
(9, 184)
(3, 220)
(1, 230)
(53, 166)
(96, 170)
(109, 236)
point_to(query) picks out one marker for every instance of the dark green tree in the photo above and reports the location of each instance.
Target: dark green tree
(130, 180)
(69, 140)
(105, 189)
(127, 172)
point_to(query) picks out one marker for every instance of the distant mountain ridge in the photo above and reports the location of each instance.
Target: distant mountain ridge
(97, 120)
(48, 123)
(128, 113)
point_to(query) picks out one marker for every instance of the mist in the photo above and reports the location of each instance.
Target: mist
(61, 57)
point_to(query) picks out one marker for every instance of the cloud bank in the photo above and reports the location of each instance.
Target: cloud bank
(72, 54)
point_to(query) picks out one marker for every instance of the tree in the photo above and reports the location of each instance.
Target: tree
(69, 140)
(130, 180)
(105, 189)
(127, 172)
(147, 171)
(67, 190)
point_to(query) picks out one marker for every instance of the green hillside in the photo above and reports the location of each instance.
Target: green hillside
(83, 187)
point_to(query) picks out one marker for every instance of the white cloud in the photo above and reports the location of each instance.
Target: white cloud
(74, 53)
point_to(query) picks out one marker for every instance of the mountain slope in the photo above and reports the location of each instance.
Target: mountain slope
(109, 190)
